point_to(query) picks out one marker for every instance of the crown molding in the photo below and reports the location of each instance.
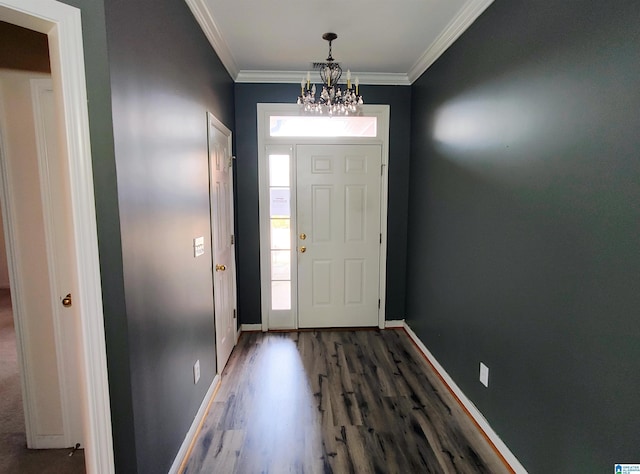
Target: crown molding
(212, 32)
(467, 15)
(294, 77)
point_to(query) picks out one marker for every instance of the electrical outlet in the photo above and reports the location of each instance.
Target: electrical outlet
(196, 372)
(484, 374)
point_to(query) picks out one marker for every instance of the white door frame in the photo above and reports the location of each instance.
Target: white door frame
(62, 24)
(265, 142)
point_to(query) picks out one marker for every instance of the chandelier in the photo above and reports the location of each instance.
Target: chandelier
(333, 100)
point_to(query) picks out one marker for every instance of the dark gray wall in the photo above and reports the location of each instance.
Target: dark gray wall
(108, 223)
(524, 220)
(164, 78)
(248, 225)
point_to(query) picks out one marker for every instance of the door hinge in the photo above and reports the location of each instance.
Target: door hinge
(234, 314)
(233, 239)
(382, 170)
(381, 237)
(378, 304)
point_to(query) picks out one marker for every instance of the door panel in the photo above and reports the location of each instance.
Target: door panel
(222, 244)
(338, 208)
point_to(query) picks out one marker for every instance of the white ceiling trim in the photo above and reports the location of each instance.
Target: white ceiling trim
(212, 32)
(294, 77)
(463, 20)
(467, 15)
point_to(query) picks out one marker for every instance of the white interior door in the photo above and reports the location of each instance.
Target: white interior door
(56, 203)
(338, 240)
(221, 192)
(41, 260)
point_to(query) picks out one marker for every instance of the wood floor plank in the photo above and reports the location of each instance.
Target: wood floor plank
(336, 402)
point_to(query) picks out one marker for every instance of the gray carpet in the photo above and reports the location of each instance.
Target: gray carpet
(14, 455)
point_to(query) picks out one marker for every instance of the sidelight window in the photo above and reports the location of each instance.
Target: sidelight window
(280, 231)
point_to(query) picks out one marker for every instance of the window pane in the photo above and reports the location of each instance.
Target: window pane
(278, 170)
(280, 234)
(279, 202)
(314, 126)
(281, 265)
(280, 295)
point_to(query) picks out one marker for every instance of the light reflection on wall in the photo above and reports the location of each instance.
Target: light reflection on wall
(481, 124)
(489, 120)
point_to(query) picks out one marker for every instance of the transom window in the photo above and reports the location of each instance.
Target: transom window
(322, 126)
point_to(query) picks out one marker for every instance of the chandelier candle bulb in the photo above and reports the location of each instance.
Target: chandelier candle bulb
(302, 86)
(308, 79)
(348, 78)
(357, 84)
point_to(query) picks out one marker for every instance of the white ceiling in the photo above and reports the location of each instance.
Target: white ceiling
(381, 41)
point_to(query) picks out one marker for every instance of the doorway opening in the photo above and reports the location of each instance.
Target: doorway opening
(62, 25)
(323, 215)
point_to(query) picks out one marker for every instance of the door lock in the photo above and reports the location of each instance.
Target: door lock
(303, 236)
(220, 268)
(303, 249)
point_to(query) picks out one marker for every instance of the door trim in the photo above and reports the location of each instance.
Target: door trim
(265, 141)
(62, 23)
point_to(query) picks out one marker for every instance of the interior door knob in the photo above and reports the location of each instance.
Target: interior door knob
(303, 236)
(66, 301)
(303, 249)
(220, 268)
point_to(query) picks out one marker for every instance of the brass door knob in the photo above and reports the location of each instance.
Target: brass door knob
(220, 268)
(303, 236)
(66, 301)
(303, 249)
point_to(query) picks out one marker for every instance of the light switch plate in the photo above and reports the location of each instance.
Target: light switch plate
(198, 246)
(484, 374)
(196, 371)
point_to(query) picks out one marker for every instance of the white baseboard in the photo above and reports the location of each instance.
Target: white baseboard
(188, 439)
(468, 404)
(395, 323)
(250, 327)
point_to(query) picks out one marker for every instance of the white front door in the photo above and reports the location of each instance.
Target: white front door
(221, 183)
(338, 235)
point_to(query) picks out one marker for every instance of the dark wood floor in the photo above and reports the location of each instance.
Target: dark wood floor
(336, 402)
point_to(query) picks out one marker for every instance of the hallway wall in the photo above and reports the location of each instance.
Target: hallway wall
(524, 217)
(164, 78)
(151, 77)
